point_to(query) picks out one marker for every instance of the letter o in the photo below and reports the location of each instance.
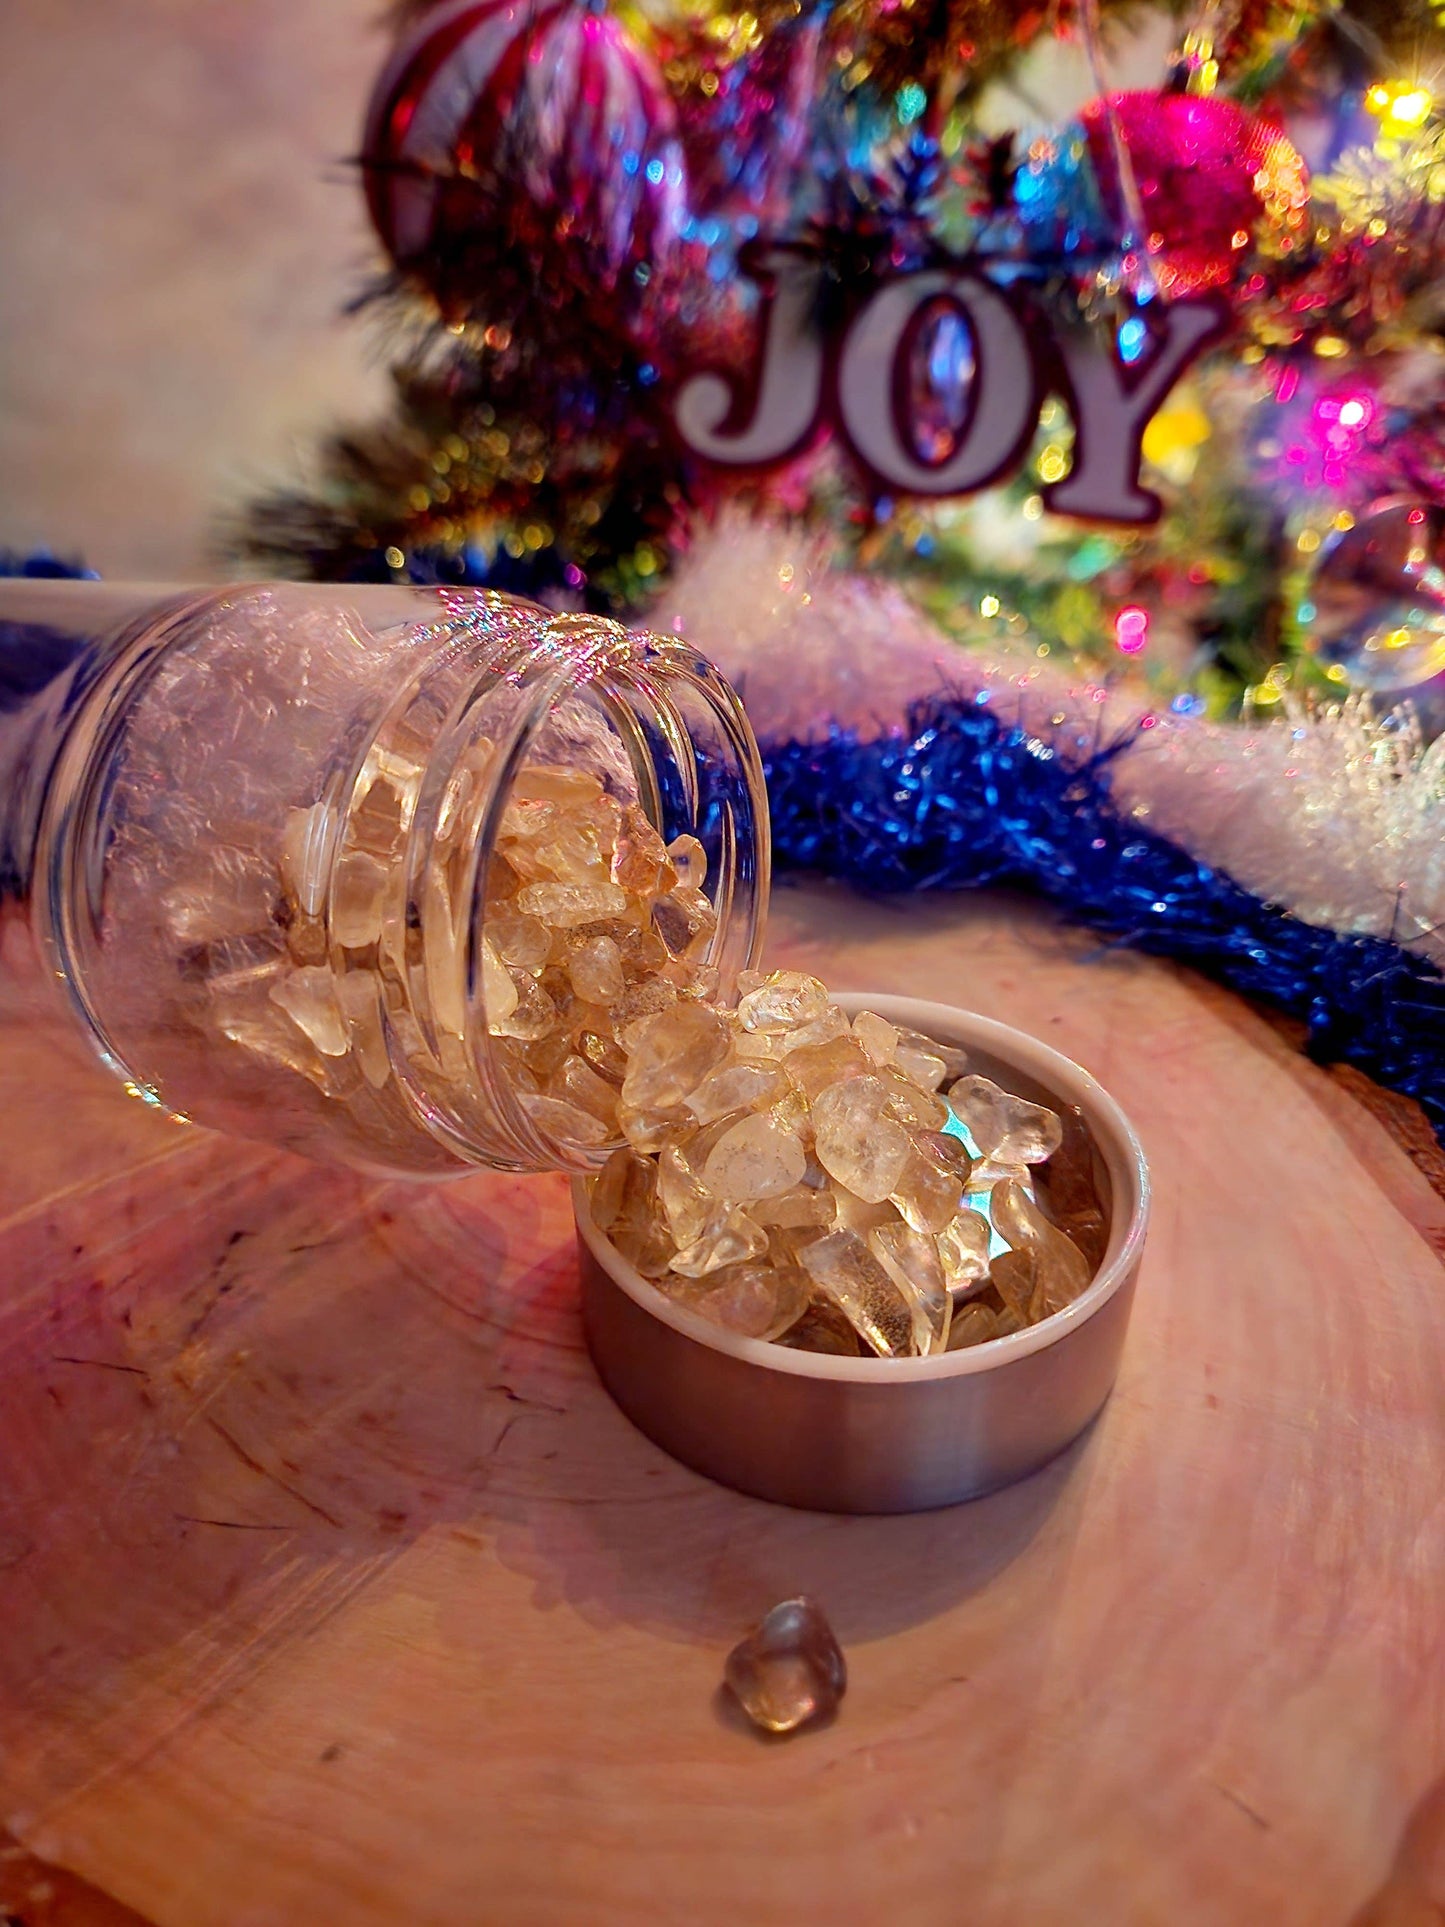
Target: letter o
(1007, 390)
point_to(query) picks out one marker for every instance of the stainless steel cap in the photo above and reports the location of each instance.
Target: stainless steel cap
(879, 1434)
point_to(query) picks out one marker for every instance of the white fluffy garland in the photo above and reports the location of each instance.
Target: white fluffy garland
(1330, 813)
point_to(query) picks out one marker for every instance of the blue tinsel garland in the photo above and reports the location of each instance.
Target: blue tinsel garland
(962, 799)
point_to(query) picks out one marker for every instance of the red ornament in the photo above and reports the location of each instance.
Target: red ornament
(491, 110)
(1213, 180)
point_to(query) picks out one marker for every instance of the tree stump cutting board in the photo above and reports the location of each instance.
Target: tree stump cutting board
(333, 1589)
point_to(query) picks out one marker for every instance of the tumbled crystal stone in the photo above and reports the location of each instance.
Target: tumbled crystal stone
(1041, 1259)
(743, 1086)
(927, 1195)
(595, 967)
(358, 892)
(728, 1237)
(963, 1250)
(522, 943)
(757, 1158)
(971, 1325)
(916, 1044)
(785, 1000)
(566, 905)
(1006, 1129)
(558, 1119)
(685, 1199)
(881, 1311)
(640, 863)
(753, 1301)
(673, 1054)
(856, 1144)
(308, 998)
(1073, 1196)
(877, 1036)
(689, 861)
(813, 1067)
(499, 993)
(789, 1670)
(911, 1260)
(577, 1083)
(799, 1209)
(822, 1328)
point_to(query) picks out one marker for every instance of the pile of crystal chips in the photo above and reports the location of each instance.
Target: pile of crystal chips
(594, 928)
(593, 924)
(834, 1185)
(840, 1186)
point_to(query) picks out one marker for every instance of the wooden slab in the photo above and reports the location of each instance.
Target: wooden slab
(335, 1590)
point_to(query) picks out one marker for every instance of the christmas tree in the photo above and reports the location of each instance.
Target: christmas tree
(583, 208)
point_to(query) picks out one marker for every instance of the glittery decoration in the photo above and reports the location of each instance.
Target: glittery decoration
(543, 116)
(1375, 605)
(963, 799)
(1213, 180)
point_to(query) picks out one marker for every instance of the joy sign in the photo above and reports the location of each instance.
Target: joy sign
(1004, 359)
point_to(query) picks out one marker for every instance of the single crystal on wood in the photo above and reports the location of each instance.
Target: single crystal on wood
(789, 1670)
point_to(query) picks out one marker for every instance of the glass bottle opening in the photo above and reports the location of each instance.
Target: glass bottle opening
(286, 828)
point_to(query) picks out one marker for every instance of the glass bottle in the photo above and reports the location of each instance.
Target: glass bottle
(254, 830)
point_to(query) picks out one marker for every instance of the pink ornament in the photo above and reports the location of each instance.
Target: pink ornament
(491, 109)
(1212, 180)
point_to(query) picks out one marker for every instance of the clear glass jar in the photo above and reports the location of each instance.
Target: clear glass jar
(254, 829)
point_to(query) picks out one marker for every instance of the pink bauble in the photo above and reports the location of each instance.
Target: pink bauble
(1213, 180)
(490, 111)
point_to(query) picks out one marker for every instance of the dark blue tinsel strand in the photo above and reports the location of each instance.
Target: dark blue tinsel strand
(962, 798)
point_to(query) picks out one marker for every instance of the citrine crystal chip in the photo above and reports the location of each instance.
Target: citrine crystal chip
(789, 1670)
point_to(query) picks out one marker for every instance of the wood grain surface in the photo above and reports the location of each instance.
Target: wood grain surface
(336, 1591)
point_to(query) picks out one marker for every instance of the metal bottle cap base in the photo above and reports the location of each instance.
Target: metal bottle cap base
(878, 1434)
